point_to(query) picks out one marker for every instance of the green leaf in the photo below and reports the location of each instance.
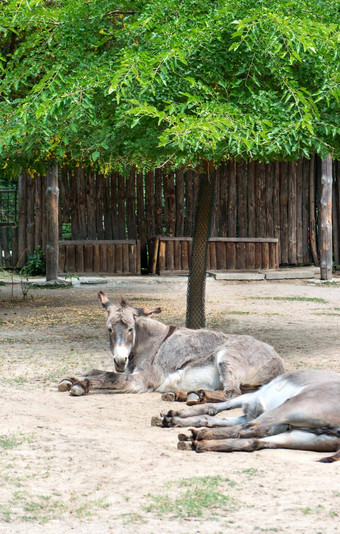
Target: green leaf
(95, 155)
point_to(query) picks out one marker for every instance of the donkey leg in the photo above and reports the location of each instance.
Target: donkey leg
(67, 383)
(171, 396)
(210, 409)
(201, 421)
(330, 459)
(204, 434)
(204, 396)
(134, 383)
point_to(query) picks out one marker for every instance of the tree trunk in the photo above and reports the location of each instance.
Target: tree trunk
(197, 275)
(52, 245)
(326, 219)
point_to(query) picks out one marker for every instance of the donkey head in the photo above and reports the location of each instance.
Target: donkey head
(121, 325)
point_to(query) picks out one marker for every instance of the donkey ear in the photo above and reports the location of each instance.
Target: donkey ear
(105, 301)
(145, 312)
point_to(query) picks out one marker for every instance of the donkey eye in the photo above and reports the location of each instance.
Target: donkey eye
(130, 330)
(110, 330)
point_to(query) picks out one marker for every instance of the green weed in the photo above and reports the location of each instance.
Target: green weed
(11, 441)
(194, 497)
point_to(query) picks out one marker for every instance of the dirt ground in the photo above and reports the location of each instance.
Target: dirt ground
(94, 464)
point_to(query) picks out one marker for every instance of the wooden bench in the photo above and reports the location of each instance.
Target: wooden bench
(100, 257)
(172, 254)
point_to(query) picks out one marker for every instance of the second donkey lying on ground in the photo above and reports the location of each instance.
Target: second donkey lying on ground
(151, 356)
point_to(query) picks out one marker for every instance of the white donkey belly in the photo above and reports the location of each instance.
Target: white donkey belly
(192, 379)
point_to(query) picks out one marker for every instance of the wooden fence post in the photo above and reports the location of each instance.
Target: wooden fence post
(22, 219)
(326, 219)
(52, 244)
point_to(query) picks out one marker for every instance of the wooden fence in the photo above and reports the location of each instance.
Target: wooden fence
(172, 254)
(276, 200)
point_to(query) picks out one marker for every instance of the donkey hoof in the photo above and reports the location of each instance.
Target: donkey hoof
(185, 436)
(65, 385)
(193, 398)
(185, 446)
(169, 396)
(156, 421)
(77, 390)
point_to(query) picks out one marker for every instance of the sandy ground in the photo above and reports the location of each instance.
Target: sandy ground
(94, 464)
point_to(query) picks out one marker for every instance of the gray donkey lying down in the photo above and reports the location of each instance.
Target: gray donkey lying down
(151, 356)
(297, 410)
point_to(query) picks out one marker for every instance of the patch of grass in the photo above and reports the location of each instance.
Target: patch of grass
(132, 518)
(292, 299)
(11, 441)
(251, 471)
(193, 497)
(5, 513)
(328, 313)
(89, 508)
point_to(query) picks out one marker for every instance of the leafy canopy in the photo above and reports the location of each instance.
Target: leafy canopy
(150, 82)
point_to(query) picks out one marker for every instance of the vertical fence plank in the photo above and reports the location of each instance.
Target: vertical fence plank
(161, 256)
(216, 207)
(251, 199)
(121, 207)
(81, 204)
(149, 205)
(232, 199)
(38, 211)
(223, 200)
(180, 203)
(184, 256)
(65, 197)
(79, 262)
(113, 205)
(269, 211)
(299, 201)
(22, 218)
(141, 218)
(292, 218)
(231, 256)
(312, 211)
(131, 204)
(103, 258)
(88, 258)
(158, 202)
(107, 207)
(96, 259)
(250, 256)
(221, 259)
(30, 220)
(305, 210)
(99, 207)
(188, 225)
(276, 201)
(284, 212)
(125, 257)
(62, 258)
(91, 206)
(242, 199)
(169, 203)
(132, 259)
(260, 196)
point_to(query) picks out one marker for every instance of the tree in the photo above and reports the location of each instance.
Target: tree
(163, 82)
